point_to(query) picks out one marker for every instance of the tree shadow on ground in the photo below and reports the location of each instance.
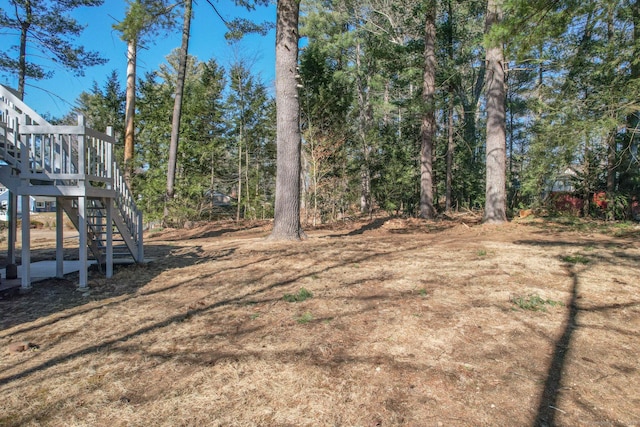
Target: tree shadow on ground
(51, 295)
(548, 406)
(58, 295)
(406, 227)
(373, 225)
(247, 297)
(222, 231)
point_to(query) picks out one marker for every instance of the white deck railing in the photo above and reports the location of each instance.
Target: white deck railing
(66, 153)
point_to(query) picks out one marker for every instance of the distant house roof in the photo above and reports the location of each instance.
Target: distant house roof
(218, 198)
(563, 181)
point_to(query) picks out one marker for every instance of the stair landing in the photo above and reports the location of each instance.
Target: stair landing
(43, 270)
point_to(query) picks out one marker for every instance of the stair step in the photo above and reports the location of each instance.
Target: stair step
(101, 244)
(114, 248)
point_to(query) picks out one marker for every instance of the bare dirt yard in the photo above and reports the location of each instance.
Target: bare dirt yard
(394, 322)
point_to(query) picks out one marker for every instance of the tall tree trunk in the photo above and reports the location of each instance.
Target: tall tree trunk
(495, 204)
(587, 188)
(213, 170)
(450, 141)
(247, 199)
(130, 109)
(22, 59)
(469, 111)
(450, 150)
(314, 173)
(240, 143)
(239, 206)
(612, 143)
(611, 162)
(633, 119)
(362, 85)
(428, 128)
(177, 105)
(286, 224)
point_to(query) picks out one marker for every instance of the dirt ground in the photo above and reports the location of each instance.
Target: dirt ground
(405, 323)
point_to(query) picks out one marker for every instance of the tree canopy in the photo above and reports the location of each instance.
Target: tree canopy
(397, 103)
(46, 27)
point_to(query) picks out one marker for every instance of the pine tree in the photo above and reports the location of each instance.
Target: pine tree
(47, 27)
(250, 133)
(428, 130)
(144, 20)
(103, 107)
(327, 98)
(584, 95)
(287, 208)
(177, 105)
(202, 134)
(495, 204)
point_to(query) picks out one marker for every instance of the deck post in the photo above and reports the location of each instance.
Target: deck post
(82, 150)
(59, 239)
(109, 242)
(12, 208)
(109, 160)
(139, 230)
(26, 243)
(82, 244)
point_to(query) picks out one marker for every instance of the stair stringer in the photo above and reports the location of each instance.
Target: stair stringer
(127, 237)
(92, 241)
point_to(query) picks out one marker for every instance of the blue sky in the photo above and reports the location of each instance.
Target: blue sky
(207, 41)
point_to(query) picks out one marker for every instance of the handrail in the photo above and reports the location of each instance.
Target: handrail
(21, 111)
(127, 205)
(9, 149)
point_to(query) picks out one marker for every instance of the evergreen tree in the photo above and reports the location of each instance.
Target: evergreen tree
(464, 71)
(326, 98)
(103, 107)
(46, 27)
(495, 204)
(584, 93)
(177, 104)
(202, 134)
(250, 132)
(287, 208)
(144, 20)
(428, 130)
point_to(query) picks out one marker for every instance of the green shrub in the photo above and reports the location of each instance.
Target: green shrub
(305, 318)
(575, 259)
(302, 295)
(534, 303)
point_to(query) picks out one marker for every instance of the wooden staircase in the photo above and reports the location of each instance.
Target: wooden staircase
(76, 165)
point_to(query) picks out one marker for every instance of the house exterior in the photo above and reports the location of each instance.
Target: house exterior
(560, 193)
(36, 204)
(564, 182)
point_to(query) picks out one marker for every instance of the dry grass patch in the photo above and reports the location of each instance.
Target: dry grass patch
(404, 323)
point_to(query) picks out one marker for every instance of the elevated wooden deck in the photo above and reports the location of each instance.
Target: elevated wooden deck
(76, 165)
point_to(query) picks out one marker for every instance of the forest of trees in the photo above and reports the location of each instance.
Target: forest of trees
(412, 107)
